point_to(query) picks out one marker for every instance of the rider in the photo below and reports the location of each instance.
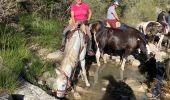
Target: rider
(162, 20)
(80, 14)
(112, 17)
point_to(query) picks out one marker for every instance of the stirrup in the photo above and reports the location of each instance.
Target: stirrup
(91, 53)
(62, 48)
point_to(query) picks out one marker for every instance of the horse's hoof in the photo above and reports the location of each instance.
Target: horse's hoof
(98, 65)
(88, 85)
(77, 96)
(105, 62)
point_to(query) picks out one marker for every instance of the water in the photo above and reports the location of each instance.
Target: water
(106, 84)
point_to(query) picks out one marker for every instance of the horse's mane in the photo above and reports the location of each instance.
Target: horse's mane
(70, 55)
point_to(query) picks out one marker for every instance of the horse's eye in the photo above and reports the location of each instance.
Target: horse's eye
(63, 85)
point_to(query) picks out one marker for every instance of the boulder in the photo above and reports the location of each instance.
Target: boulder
(58, 56)
(32, 92)
(135, 63)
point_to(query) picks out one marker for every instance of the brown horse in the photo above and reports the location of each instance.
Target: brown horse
(126, 41)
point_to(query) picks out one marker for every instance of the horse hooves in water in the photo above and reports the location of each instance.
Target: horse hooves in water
(76, 95)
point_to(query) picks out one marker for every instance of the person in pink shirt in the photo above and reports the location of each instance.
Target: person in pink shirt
(80, 14)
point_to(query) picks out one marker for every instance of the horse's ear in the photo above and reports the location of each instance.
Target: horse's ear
(57, 71)
(90, 26)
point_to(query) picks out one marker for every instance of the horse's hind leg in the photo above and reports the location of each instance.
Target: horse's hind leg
(98, 57)
(104, 57)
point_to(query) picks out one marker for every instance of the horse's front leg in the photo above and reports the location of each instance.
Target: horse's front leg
(82, 63)
(122, 68)
(98, 57)
(104, 56)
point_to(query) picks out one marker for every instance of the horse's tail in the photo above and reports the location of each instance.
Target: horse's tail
(142, 37)
(144, 47)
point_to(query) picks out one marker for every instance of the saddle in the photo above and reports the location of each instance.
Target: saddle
(70, 33)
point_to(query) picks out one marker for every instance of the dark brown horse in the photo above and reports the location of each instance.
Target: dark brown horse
(126, 40)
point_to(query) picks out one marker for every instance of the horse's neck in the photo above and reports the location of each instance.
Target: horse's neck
(67, 70)
(71, 53)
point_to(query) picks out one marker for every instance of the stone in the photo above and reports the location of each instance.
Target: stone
(135, 63)
(103, 89)
(58, 55)
(5, 96)
(130, 58)
(32, 92)
(105, 82)
(77, 96)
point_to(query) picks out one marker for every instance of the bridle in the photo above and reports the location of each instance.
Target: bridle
(68, 82)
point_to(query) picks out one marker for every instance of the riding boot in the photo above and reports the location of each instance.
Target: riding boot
(89, 48)
(63, 45)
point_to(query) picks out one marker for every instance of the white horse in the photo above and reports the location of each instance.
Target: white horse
(75, 52)
(153, 28)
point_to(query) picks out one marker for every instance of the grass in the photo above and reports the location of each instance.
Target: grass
(14, 47)
(46, 32)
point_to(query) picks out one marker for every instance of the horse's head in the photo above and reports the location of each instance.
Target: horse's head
(62, 83)
(96, 26)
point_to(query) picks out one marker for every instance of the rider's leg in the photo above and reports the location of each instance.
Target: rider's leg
(89, 46)
(68, 28)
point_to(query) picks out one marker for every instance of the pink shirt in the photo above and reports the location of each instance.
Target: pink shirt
(80, 12)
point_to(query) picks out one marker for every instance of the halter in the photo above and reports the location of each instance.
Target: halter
(68, 82)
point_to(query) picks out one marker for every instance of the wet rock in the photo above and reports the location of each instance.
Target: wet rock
(107, 56)
(138, 88)
(32, 92)
(135, 63)
(149, 95)
(115, 57)
(103, 89)
(77, 96)
(130, 58)
(5, 96)
(153, 48)
(105, 82)
(160, 56)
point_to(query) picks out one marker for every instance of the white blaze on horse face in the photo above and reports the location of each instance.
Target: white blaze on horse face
(61, 86)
